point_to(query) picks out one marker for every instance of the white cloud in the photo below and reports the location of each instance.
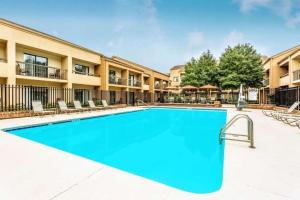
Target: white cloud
(115, 43)
(294, 21)
(289, 10)
(195, 39)
(234, 38)
(247, 5)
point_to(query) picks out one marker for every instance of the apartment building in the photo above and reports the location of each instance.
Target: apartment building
(283, 69)
(176, 75)
(141, 79)
(31, 58)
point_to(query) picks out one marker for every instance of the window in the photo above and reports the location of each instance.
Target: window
(81, 69)
(112, 73)
(131, 80)
(35, 65)
(112, 76)
(81, 95)
(175, 79)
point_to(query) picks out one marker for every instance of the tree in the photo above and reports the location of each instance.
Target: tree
(201, 71)
(240, 65)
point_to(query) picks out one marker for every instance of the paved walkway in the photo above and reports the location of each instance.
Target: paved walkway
(32, 171)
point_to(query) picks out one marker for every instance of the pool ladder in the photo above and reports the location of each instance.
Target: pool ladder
(249, 136)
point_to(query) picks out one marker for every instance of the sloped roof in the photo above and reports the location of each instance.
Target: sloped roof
(291, 51)
(178, 67)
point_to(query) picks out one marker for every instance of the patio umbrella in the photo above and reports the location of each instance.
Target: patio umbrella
(209, 88)
(189, 87)
(171, 88)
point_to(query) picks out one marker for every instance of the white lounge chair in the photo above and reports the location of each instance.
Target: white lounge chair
(37, 108)
(63, 108)
(276, 113)
(104, 103)
(106, 106)
(78, 106)
(93, 106)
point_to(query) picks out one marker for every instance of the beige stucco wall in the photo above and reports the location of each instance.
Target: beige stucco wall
(276, 69)
(173, 74)
(15, 40)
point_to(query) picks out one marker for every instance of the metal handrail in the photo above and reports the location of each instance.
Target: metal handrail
(42, 71)
(250, 136)
(85, 74)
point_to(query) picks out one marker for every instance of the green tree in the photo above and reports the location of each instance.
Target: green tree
(201, 71)
(240, 65)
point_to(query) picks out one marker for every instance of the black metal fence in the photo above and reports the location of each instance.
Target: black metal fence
(287, 96)
(20, 97)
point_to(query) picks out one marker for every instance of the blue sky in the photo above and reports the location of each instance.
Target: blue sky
(163, 33)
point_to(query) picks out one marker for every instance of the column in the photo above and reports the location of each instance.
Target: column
(11, 60)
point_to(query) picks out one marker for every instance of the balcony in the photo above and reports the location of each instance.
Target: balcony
(146, 87)
(157, 86)
(284, 80)
(296, 76)
(86, 78)
(117, 81)
(266, 82)
(134, 83)
(40, 71)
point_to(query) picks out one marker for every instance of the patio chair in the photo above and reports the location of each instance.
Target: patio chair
(212, 100)
(276, 113)
(93, 106)
(182, 99)
(171, 99)
(63, 108)
(37, 108)
(193, 100)
(106, 106)
(78, 106)
(203, 100)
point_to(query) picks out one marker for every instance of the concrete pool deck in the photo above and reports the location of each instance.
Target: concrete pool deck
(33, 171)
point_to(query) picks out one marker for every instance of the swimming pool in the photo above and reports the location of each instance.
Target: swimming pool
(175, 147)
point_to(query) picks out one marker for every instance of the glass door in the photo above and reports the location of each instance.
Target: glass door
(112, 97)
(29, 61)
(131, 98)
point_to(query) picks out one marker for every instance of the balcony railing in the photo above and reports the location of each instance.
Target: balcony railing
(41, 71)
(134, 83)
(86, 74)
(296, 75)
(157, 86)
(284, 80)
(3, 60)
(117, 81)
(266, 82)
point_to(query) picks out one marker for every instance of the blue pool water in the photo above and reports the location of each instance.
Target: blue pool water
(176, 147)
